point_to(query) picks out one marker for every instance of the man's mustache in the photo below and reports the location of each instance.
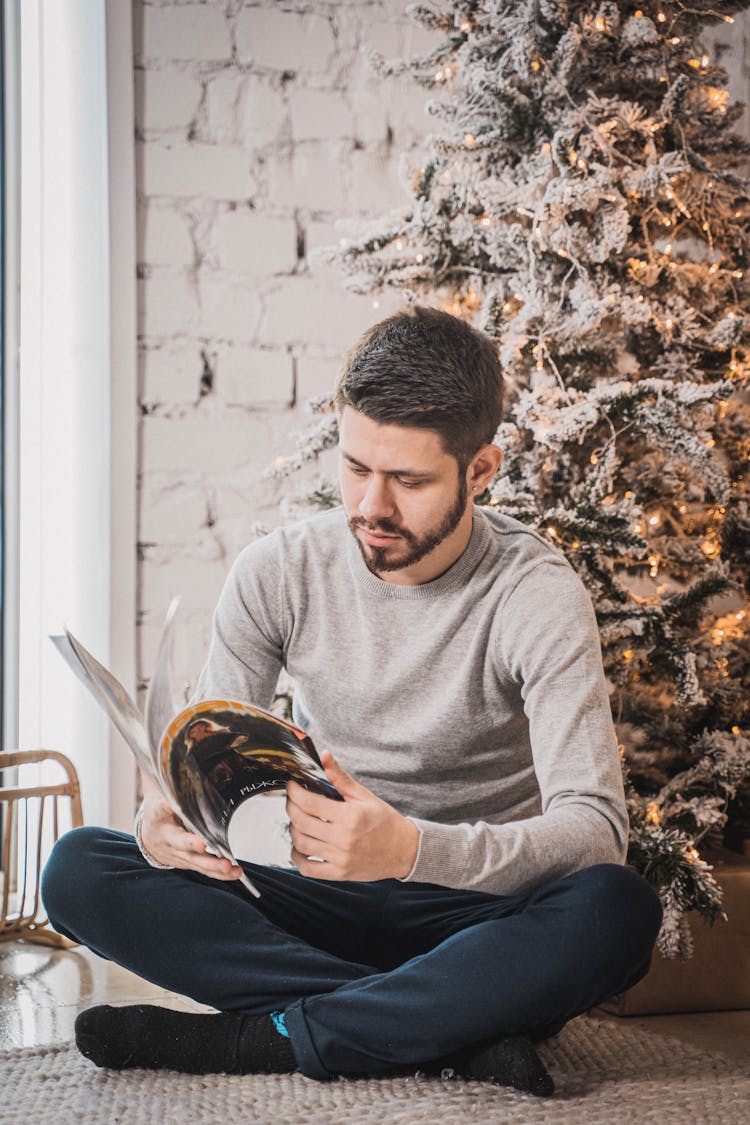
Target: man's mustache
(386, 527)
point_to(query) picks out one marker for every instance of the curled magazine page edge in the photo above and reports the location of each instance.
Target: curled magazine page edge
(160, 707)
(104, 687)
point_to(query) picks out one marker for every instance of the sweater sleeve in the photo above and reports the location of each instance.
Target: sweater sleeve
(549, 645)
(247, 640)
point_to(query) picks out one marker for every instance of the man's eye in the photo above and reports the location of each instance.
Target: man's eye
(409, 483)
(357, 471)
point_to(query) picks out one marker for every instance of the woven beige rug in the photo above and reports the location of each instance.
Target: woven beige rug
(606, 1073)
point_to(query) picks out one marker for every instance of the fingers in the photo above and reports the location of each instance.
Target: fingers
(168, 841)
(313, 804)
(314, 868)
(308, 846)
(340, 779)
(314, 826)
(198, 859)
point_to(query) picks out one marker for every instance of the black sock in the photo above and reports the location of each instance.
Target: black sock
(142, 1035)
(506, 1062)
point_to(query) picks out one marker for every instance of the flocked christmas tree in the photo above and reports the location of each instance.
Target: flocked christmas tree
(584, 205)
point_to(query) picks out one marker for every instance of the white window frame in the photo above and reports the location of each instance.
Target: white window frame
(71, 429)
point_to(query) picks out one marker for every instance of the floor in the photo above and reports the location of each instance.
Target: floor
(43, 989)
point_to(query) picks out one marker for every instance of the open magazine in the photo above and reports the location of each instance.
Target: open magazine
(210, 757)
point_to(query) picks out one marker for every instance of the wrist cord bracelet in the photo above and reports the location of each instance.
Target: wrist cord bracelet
(138, 833)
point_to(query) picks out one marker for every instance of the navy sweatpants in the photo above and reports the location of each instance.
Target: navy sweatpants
(371, 976)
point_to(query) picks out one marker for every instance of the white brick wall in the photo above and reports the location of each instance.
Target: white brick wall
(258, 127)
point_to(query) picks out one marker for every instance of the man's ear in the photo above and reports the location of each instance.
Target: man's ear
(483, 466)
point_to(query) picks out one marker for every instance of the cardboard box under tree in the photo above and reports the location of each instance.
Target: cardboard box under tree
(717, 976)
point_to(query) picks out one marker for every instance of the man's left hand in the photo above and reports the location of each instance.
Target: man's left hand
(360, 838)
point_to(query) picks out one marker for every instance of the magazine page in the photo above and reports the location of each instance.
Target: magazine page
(218, 754)
(160, 702)
(110, 695)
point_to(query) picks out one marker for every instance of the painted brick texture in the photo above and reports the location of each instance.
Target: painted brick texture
(258, 127)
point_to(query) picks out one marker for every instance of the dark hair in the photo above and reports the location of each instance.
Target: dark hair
(426, 368)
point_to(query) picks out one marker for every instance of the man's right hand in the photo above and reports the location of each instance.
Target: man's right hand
(168, 841)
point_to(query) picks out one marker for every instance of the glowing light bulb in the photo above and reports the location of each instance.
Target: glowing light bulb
(600, 24)
(661, 17)
(654, 520)
(535, 65)
(469, 140)
(628, 655)
(594, 459)
(669, 323)
(486, 220)
(638, 14)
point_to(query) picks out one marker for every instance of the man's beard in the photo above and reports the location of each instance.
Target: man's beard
(417, 546)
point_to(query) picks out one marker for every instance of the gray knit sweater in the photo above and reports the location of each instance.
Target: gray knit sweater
(475, 704)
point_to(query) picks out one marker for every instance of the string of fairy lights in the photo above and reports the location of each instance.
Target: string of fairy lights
(687, 205)
(669, 288)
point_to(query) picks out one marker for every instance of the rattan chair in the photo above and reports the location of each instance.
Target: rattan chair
(25, 816)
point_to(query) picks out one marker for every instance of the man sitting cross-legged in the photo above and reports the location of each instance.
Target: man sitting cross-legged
(468, 896)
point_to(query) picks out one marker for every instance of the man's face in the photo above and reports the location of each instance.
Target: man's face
(405, 500)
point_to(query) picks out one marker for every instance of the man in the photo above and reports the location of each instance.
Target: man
(468, 896)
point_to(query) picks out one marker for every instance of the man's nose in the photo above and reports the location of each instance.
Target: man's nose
(376, 502)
